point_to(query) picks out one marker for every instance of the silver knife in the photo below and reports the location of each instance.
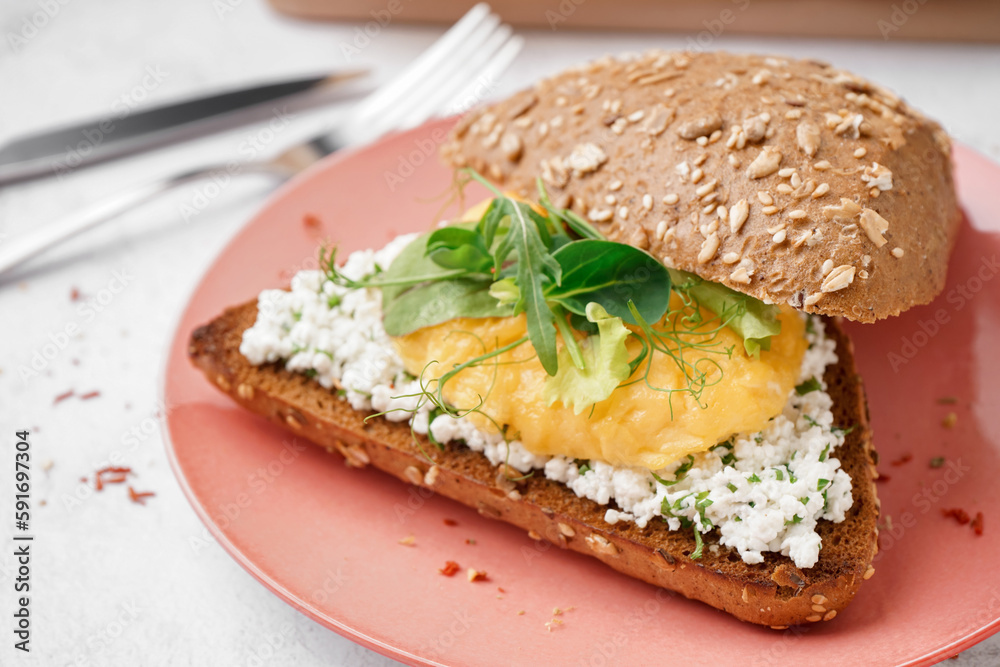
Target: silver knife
(55, 152)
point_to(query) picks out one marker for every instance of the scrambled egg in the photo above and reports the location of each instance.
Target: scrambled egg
(639, 424)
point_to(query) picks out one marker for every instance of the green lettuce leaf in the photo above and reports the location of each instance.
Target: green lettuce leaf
(750, 318)
(606, 364)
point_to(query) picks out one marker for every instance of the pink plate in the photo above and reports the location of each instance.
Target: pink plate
(325, 537)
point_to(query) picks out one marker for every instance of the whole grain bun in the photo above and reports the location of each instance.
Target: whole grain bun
(788, 180)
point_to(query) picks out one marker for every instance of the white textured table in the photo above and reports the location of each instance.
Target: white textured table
(120, 584)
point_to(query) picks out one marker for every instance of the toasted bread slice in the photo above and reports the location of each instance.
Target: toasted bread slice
(773, 593)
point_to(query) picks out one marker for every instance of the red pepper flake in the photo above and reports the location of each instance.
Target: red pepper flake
(89, 395)
(470, 541)
(977, 523)
(450, 569)
(905, 458)
(450, 522)
(62, 397)
(882, 477)
(139, 496)
(500, 589)
(958, 514)
(110, 475)
(311, 221)
(74, 294)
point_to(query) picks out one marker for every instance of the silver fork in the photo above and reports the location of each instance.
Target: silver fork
(477, 49)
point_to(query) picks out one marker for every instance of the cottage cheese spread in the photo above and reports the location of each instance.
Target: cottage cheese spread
(763, 491)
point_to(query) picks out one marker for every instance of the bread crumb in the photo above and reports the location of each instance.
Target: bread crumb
(477, 575)
(950, 420)
(409, 541)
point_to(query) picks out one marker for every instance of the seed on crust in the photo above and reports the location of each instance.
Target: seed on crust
(820, 599)
(708, 248)
(511, 146)
(819, 608)
(830, 615)
(533, 534)
(413, 475)
(740, 275)
(245, 391)
(874, 225)
(223, 382)
(755, 127)
(897, 252)
(658, 120)
(815, 618)
(699, 127)
(839, 278)
(586, 158)
(431, 477)
(765, 164)
(868, 573)
(738, 214)
(843, 212)
(488, 510)
(601, 545)
(566, 529)
(808, 137)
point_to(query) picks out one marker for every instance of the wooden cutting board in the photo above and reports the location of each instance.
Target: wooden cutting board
(703, 20)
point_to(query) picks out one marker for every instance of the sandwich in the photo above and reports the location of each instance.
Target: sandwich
(633, 348)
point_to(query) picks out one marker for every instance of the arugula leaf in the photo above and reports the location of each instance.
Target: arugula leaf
(605, 365)
(750, 318)
(437, 302)
(535, 268)
(611, 274)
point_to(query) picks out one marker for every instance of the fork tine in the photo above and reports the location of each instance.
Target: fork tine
(448, 74)
(437, 54)
(466, 70)
(467, 97)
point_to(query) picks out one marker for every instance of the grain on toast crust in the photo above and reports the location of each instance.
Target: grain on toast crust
(773, 593)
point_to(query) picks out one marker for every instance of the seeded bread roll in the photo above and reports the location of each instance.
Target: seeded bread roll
(790, 181)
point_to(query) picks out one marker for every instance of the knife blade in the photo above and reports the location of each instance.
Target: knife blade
(59, 151)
